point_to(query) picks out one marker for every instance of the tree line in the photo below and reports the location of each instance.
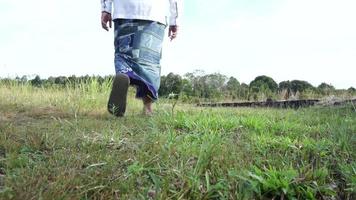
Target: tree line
(220, 87)
(197, 86)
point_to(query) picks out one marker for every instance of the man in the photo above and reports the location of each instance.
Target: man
(139, 31)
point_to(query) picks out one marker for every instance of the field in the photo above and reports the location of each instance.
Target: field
(60, 143)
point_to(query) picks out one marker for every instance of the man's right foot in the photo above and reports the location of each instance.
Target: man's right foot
(118, 95)
(147, 106)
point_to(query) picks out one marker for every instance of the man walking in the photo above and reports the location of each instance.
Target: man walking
(139, 27)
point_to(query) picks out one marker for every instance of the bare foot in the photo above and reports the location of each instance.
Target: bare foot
(147, 106)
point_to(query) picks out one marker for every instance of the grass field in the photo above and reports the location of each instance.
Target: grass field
(62, 144)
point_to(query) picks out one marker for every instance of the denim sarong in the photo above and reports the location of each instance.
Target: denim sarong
(138, 45)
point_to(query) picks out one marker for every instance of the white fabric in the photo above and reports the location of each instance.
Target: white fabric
(164, 11)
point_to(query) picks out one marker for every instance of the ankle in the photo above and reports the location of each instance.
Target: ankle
(147, 100)
(147, 105)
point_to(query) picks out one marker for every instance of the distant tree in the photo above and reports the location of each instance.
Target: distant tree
(232, 87)
(351, 90)
(243, 91)
(172, 83)
(17, 79)
(263, 82)
(285, 87)
(325, 89)
(324, 86)
(162, 88)
(60, 80)
(300, 86)
(24, 79)
(203, 85)
(187, 87)
(50, 81)
(72, 80)
(36, 81)
(263, 87)
(213, 85)
(232, 84)
(196, 80)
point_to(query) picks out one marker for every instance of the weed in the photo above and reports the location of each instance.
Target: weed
(60, 143)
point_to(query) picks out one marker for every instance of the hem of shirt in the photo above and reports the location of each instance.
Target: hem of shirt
(160, 19)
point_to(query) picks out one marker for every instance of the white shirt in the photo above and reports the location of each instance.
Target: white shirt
(155, 10)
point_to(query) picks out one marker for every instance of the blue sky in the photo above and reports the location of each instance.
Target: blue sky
(312, 40)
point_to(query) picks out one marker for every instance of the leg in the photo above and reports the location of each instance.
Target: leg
(147, 105)
(118, 95)
(148, 48)
(138, 45)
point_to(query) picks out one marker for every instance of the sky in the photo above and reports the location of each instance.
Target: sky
(311, 40)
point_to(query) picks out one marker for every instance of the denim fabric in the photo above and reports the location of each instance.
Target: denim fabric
(138, 46)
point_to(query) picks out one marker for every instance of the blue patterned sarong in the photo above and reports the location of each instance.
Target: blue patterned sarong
(138, 46)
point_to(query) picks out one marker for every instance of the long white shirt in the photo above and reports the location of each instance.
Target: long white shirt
(164, 11)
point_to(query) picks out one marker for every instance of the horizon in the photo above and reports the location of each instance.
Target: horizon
(32, 76)
(310, 40)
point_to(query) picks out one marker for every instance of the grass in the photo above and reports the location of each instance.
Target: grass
(60, 143)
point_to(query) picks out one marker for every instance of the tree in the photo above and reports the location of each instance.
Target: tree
(325, 88)
(72, 80)
(243, 91)
(351, 90)
(172, 83)
(300, 86)
(262, 83)
(60, 80)
(232, 87)
(285, 87)
(24, 79)
(213, 85)
(36, 81)
(187, 87)
(263, 87)
(196, 81)
(50, 81)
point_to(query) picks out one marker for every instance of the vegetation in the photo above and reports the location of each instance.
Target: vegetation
(57, 141)
(199, 86)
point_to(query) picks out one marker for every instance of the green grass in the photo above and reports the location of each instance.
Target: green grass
(62, 144)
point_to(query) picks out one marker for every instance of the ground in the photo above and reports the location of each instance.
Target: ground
(62, 144)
